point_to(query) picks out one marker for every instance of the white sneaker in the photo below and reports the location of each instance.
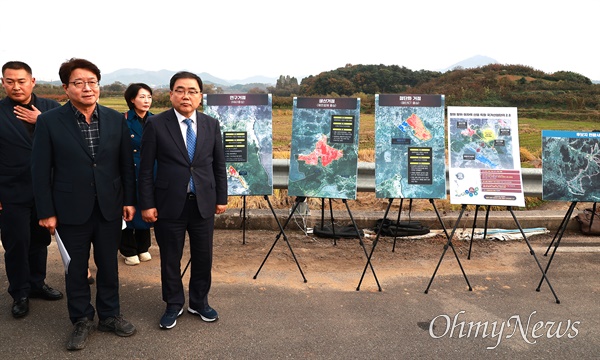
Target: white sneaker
(145, 256)
(132, 260)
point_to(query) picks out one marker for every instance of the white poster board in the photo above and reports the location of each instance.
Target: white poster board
(483, 155)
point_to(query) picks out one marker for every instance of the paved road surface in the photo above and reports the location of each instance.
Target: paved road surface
(277, 316)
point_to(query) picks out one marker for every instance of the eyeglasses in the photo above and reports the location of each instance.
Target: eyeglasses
(80, 84)
(182, 92)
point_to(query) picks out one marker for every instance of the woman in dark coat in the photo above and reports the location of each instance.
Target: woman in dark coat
(135, 239)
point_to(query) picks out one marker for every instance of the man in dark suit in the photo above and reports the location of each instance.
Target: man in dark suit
(190, 187)
(25, 242)
(84, 186)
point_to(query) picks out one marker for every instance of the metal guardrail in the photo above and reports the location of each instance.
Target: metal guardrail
(532, 178)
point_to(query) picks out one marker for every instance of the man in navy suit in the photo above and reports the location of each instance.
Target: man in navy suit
(25, 242)
(190, 187)
(84, 186)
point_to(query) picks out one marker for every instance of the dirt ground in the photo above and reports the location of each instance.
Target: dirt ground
(341, 264)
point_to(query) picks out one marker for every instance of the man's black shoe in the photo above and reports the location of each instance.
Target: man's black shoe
(20, 307)
(118, 325)
(46, 293)
(82, 329)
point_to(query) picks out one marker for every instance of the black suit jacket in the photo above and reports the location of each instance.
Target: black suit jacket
(15, 152)
(162, 141)
(67, 180)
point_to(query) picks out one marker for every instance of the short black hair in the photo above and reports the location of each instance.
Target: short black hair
(16, 65)
(132, 91)
(185, 75)
(72, 64)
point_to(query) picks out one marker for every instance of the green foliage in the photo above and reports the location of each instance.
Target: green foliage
(517, 86)
(285, 86)
(570, 76)
(368, 79)
(116, 87)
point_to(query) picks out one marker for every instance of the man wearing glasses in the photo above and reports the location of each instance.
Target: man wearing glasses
(84, 185)
(190, 188)
(25, 242)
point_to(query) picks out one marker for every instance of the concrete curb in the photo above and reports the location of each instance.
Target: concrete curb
(259, 219)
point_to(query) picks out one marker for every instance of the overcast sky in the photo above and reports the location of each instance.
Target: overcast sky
(235, 39)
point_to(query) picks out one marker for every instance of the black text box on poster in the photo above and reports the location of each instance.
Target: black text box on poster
(342, 129)
(419, 166)
(236, 146)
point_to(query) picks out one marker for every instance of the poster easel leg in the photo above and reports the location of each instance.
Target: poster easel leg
(473, 231)
(244, 221)
(437, 213)
(387, 210)
(558, 236)
(362, 244)
(485, 227)
(564, 223)
(544, 277)
(398, 223)
(282, 232)
(449, 244)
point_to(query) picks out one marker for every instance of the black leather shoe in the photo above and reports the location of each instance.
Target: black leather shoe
(20, 307)
(46, 293)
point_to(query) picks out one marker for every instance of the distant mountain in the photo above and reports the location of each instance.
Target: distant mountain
(161, 78)
(255, 80)
(472, 62)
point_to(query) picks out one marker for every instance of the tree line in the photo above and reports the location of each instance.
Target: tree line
(491, 85)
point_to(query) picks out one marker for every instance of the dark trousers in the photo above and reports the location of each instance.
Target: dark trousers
(25, 249)
(105, 236)
(170, 237)
(134, 241)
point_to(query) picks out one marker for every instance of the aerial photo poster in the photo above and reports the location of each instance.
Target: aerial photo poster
(247, 131)
(484, 158)
(571, 165)
(324, 151)
(410, 153)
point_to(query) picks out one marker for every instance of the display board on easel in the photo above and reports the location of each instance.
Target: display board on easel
(571, 165)
(246, 127)
(484, 158)
(324, 150)
(410, 154)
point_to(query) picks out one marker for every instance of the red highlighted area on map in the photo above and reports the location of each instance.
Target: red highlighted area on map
(421, 132)
(235, 174)
(324, 151)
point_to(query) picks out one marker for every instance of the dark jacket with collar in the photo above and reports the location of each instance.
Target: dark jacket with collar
(15, 151)
(67, 180)
(134, 122)
(163, 142)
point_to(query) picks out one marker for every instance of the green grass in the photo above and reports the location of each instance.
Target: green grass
(530, 130)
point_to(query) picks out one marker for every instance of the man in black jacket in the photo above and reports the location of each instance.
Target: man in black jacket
(25, 242)
(84, 186)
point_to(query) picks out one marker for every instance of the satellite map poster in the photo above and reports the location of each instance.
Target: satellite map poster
(484, 158)
(247, 131)
(410, 153)
(570, 166)
(324, 151)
